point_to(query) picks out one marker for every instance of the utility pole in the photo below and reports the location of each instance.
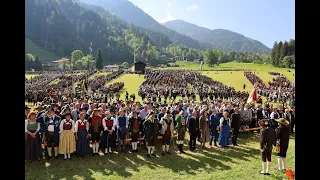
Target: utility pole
(90, 53)
(134, 55)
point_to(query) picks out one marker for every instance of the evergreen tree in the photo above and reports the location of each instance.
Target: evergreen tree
(274, 54)
(99, 60)
(279, 56)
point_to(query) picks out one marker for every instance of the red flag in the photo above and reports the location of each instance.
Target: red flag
(253, 96)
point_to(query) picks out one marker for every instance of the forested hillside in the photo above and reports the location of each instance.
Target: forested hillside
(63, 26)
(132, 14)
(218, 38)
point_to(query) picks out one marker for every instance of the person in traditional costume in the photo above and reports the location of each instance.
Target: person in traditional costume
(273, 116)
(26, 111)
(292, 113)
(151, 126)
(224, 130)
(214, 127)
(282, 140)
(95, 130)
(235, 125)
(52, 126)
(122, 122)
(193, 128)
(135, 123)
(267, 140)
(82, 135)
(181, 129)
(204, 128)
(108, 139)
(33, 149)
(67, 144)
(166, 131)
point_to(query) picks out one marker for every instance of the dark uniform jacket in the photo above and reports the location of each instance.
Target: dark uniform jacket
(283, 134)
(235, 120)
(267, 138)
(151, 128)
(193, 125)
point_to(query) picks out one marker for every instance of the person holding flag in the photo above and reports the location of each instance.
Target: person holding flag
(253, 95)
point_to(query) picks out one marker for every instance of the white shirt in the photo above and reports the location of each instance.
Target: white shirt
(114, 123)
(26, 125)
(65, 121)
(83, 122)
(51, 126)
(222, 119)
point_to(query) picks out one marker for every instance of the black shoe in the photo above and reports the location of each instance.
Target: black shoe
(49, 157)
(69, 158)
(136, 150)
(168, 152)
(267, 174)
(148, 155)
(93, 154)
(64, 159)
(57, 157)
(153, 154)
(163, 153)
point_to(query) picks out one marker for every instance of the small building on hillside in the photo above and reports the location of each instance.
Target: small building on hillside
(138, 67)
(111, 67)
(180, 58)
(47, 67)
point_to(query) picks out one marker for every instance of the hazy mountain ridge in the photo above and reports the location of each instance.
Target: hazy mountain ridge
(218, 38)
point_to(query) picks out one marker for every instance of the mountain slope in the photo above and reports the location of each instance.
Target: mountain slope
(218, 38)
(44, 55)
(132, 14)
(62, 26)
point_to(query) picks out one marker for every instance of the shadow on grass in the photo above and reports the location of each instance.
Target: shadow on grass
(124, 164)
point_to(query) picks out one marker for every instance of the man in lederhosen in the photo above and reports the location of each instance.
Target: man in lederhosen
(181, 129)
(134, 130)
(52, 125)
(267, 141)
(167, 129)
(151, 132)
(95, 130)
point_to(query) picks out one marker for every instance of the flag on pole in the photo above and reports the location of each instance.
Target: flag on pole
(85, 84)
(253, 95)
(73, 87)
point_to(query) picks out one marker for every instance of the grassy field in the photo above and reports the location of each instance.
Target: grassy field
(44, 55)
(99, 73)
(263, 69)
(132, 83)
(29, 76)
(242, 162)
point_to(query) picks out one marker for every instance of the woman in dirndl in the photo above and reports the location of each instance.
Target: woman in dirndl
(67, 144)
(33, 149)
(224, 130)
(82, 135)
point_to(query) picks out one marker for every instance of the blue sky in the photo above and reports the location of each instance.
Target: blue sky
(264, 20)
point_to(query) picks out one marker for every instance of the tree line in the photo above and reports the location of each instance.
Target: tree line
(283, 54)
(32, 62)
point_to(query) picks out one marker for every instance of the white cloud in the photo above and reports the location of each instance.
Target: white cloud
(146, 9)
(205, 26)
(168, 18)
(192, 8)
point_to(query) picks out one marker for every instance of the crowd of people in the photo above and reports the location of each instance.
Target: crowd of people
(280, 89)
(63, 125)
(187, 84)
